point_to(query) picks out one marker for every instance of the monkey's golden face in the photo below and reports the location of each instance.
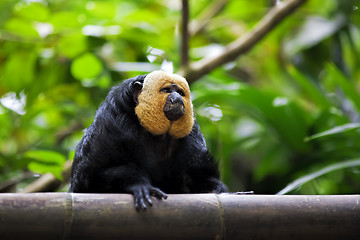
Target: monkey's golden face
(164, 105)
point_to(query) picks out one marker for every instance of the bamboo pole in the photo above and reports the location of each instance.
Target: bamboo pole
(188, 216)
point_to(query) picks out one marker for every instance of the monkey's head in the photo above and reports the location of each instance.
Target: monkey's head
(164, 104)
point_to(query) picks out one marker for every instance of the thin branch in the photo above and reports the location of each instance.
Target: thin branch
(200, 23)
(46, 183)
(185, 35)
(10, 185)
(66, 132)
(243, 44)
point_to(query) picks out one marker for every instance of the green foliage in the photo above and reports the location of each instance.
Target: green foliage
(287, 112)
(45, 161)
(313, 175)
(86, 66)
(335, 130)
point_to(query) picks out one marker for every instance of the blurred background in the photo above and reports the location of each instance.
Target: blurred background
(285, 114)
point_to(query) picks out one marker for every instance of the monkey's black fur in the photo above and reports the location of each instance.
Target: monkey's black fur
(118, 155)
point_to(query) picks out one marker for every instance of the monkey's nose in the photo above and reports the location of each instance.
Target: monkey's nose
(174, 111)
(174, 107)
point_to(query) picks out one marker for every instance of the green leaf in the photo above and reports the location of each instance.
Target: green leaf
(345, 84)
(307, 37)
(41, 168)
(72, 45)
(33, 11)
(13, 79)
(86, 66)
(103, 10)
(45, 161)
(275, 112)
(333, 167)
(335, 130)
(46, 156)
(309, 87)
(64, 20)
(103, 81)
(21, 27)
(71, 154)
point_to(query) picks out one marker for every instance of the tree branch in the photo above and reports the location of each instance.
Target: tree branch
(243, 44)
(184, 35)
(200, 23)
(10, 185)
(275, 2)
(62, 134)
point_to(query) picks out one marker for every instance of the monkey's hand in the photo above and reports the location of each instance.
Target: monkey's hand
(142, 193)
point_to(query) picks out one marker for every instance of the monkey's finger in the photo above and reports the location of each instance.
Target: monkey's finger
(139, 201)
(142, 202)
(158, 193)
(147, 196)
(136, 203)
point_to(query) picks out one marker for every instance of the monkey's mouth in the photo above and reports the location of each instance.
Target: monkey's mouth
(174, 111)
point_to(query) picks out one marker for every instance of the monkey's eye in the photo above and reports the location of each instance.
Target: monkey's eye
(181, 92)
(165, 90)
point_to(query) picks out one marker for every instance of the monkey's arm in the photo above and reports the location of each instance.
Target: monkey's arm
(202, 168)
(95, 173)
(100, 166)
(129, 179)
(205, 176)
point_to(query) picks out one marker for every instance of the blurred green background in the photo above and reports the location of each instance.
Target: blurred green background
(287, 112)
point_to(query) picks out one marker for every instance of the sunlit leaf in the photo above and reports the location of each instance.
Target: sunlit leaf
(45, 156)
(42, 168)
(14, 80)
(72, 45)
(71, 155)
(65, 20)
(86, 66)
(44, 161)
(33, 11)
(335, 130)
(21, 27)
(102, 9)
(337, 166)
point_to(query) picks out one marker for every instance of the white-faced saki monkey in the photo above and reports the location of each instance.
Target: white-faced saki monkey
(145, 141)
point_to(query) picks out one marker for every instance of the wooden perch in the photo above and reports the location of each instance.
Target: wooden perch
(243, 44)
(188, 216)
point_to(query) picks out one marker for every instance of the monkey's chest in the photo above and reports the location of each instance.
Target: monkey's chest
(164, 164)
(169, 174)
